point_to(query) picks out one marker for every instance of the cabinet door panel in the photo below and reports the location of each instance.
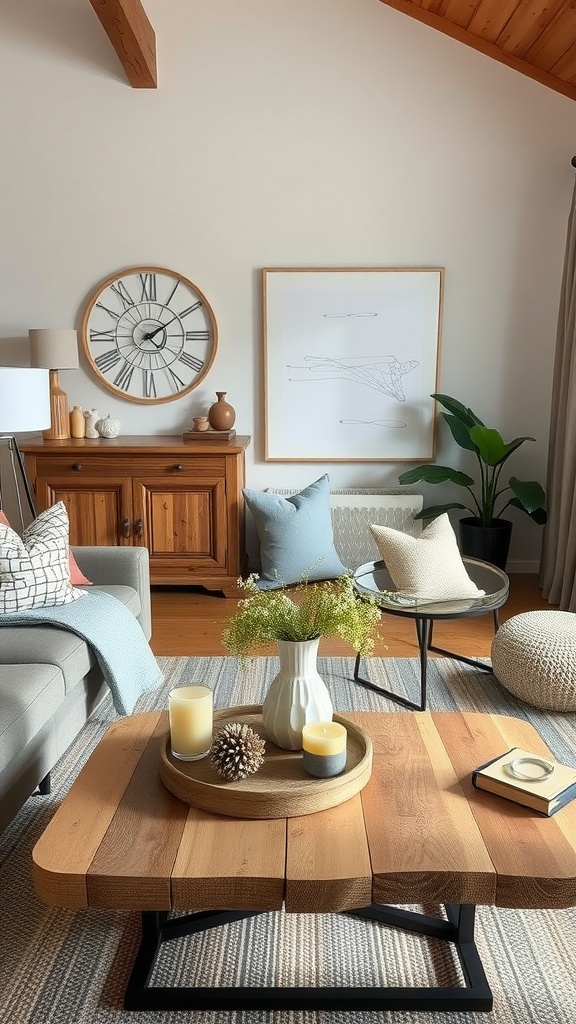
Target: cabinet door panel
(95, 509)
(183, 519)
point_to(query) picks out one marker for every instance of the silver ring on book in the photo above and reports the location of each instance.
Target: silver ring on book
(547, 769)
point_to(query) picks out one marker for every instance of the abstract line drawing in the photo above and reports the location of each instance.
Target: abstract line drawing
(384, 374)
(350, 362)
(392, 424)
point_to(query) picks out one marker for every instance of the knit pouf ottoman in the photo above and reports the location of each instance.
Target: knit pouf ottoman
(534, 657)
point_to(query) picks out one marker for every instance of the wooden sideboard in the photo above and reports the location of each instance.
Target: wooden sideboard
(183, 501)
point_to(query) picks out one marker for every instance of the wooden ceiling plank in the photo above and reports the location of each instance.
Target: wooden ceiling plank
(132, 36)
(460, 12)
(565, 68)
(527, 24)
(484, 46)
(492, 17)
(430, 5)
(555, 41)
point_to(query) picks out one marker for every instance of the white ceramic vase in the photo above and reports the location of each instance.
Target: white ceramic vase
(297, 695)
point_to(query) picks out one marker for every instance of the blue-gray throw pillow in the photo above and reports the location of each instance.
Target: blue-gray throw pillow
(295, 535)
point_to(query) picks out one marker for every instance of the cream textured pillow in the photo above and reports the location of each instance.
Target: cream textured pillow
(429, 567)
(34, 569)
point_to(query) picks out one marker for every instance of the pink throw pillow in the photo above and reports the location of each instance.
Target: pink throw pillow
(77, 577)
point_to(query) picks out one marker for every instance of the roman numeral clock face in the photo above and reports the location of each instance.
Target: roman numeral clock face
(149, 334)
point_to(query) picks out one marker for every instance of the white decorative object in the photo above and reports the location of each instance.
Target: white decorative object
(91, 416)
(297, 696)
(107, 426)
(534, 657)
(428, 567)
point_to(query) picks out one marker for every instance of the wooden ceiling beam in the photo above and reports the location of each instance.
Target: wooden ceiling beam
(132, 36)
(483, 46)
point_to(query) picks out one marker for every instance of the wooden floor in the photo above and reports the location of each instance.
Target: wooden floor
(189, 622)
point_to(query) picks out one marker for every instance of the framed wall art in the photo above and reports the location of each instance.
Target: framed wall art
(351, 358)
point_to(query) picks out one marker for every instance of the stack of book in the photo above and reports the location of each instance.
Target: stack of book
(546, 792)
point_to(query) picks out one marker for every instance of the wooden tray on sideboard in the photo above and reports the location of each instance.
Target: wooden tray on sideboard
(280, 789)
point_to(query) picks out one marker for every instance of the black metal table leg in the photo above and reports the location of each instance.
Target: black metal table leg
(460, 657)
(398, 698)
(475, 994)
(423, 632)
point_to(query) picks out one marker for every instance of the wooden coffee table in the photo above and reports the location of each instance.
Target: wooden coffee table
(418, 833)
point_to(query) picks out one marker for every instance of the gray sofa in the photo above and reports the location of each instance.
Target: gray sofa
(50, 682)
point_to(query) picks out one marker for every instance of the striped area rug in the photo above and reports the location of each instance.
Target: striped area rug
(71, 967)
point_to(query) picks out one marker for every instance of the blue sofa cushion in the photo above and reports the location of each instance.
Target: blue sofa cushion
(295, 535)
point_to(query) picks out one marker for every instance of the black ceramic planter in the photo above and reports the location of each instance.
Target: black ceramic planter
(488, 543)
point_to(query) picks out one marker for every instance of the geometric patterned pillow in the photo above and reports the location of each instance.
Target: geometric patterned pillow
(34, 571)
(77, 577)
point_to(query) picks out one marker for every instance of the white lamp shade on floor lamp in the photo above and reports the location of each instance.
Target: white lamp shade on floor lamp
(24, 407)
(55, 349)
(24, 399)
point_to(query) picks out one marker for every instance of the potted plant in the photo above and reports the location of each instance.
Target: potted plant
(296, 622)
(484, 534)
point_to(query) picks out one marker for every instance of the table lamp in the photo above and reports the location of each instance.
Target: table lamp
(24, 406)
(55, 350)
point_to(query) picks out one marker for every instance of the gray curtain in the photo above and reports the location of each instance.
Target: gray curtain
(558, 565)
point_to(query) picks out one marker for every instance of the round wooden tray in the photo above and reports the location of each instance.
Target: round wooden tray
(280, 789)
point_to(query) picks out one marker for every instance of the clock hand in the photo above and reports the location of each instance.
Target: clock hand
(150, 335)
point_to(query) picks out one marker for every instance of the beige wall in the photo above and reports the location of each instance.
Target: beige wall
(300, 133)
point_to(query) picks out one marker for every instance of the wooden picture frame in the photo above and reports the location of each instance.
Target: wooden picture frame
(351, 358)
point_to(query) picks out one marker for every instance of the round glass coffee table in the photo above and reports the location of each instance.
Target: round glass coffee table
(373, 578)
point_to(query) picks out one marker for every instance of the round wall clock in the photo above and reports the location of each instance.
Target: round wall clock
(149, 334)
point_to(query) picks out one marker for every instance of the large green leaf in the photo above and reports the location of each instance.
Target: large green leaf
(435, 475)
(538, 515)
(436, 510)
(460, 432)
(529, 493)
(490, 444)
(513, 445)
(458, 410)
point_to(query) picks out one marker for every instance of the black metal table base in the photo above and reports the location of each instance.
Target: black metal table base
(424, 626)
(458, 929)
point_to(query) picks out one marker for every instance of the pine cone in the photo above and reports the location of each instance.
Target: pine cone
(237, 751)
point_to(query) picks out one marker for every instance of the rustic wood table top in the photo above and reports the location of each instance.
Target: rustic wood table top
(417, 833)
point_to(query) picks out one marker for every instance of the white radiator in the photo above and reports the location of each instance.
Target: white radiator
(354, 509)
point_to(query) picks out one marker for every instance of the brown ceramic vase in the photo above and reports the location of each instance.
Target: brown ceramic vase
(221, 415)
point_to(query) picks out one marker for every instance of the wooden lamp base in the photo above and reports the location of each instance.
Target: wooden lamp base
(59, 429)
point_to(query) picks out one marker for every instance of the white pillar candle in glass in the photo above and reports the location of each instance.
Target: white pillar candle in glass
(190, 711)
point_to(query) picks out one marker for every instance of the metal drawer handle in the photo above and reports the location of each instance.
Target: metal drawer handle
(125, 527)
(178, 467)
(138, 527)
(77, 466)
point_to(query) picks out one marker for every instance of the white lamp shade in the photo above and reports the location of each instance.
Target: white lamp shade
(24, 399)
(53, 349)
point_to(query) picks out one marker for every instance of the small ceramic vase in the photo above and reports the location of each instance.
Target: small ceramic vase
(297, 695)
(77, 422)
(108, 427)
(221, 415)
(200, 423)
(91, 417)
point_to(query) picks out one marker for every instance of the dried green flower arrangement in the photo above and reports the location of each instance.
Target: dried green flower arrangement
(312, 610)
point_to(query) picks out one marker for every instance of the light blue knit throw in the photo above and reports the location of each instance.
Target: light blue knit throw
(115, 636)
